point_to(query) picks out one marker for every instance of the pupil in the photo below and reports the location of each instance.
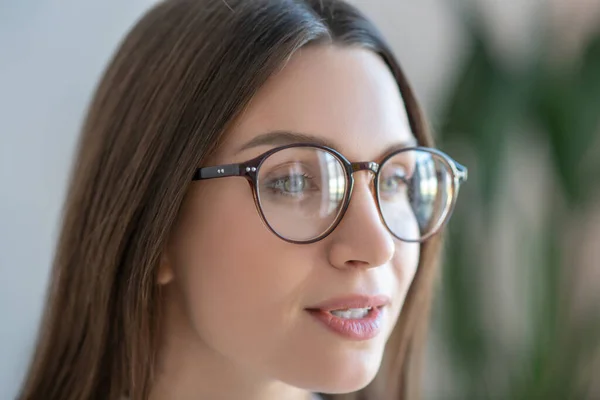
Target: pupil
(295, 184)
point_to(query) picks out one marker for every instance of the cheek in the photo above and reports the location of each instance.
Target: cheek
(408, 255)
(236, 276)
(406, 262)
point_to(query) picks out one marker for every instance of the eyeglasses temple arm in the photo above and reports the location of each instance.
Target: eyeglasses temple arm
(218, 171)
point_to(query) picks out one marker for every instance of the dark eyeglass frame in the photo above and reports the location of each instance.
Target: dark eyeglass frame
(250, 169)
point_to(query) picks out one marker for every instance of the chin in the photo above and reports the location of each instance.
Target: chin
(348, 379)
(336, 373)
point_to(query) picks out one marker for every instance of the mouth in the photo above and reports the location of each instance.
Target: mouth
(351, 313)
(355, 317)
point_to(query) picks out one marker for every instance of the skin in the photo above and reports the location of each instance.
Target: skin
(235, 295)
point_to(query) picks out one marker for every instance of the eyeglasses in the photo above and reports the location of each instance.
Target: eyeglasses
(302, 191)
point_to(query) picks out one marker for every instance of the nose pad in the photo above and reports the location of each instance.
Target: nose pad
(368, 166)
(370, 181)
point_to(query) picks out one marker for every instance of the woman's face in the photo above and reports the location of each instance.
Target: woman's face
(243, 298)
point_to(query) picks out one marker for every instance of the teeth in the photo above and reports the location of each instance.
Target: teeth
(351, 313)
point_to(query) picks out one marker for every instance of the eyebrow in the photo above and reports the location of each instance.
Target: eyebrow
(282, 138)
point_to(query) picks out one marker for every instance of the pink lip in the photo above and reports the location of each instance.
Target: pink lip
(356, 329)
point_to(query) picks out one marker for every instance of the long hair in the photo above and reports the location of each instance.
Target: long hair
(178, 81)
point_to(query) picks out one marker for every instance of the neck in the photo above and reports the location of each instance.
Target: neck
(188, 369)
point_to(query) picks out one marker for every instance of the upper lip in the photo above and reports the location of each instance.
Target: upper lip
(352, 301)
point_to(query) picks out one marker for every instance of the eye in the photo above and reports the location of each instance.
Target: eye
(291, 185)
(394, 180)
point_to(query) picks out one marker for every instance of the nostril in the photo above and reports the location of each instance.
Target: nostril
(357, 264)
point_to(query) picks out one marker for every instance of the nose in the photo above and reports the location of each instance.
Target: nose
(361, 240)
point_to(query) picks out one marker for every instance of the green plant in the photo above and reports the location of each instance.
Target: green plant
(490, 111)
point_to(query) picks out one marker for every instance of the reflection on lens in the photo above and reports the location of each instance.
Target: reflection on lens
(414, 189)
(301, 192)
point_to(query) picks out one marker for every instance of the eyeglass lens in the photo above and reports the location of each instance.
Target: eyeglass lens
(302, 191)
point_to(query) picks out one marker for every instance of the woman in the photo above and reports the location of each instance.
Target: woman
(175, 279)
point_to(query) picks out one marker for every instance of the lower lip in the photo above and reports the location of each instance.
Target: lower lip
(355, 329)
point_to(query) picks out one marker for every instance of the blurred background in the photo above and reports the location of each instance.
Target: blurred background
(512, 89)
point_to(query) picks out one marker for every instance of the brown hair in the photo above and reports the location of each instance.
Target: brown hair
(179, 79)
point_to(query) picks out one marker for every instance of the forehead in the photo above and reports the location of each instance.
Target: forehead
(345, 95)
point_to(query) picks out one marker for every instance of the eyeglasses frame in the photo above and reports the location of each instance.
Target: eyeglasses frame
(249, 170)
